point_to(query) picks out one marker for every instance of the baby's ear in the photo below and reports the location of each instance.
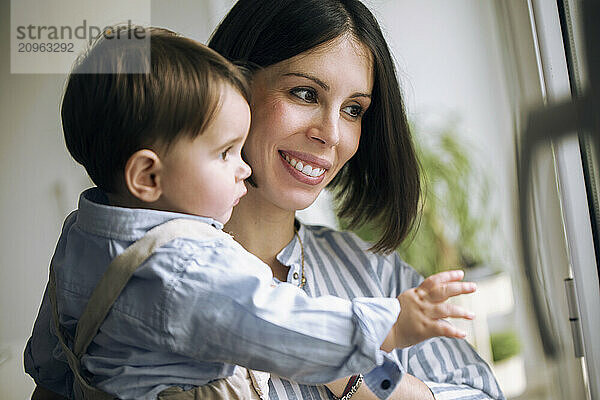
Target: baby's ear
(141, 175)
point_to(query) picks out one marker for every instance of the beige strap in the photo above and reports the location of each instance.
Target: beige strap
(260, 382)
(110, 287)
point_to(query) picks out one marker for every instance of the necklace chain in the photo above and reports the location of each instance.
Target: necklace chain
(303, 279)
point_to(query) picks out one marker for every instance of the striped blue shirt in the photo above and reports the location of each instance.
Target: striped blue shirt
(339, 264)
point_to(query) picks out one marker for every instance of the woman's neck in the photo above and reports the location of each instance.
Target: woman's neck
(261, 227)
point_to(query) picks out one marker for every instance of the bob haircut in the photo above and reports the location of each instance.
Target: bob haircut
(107, 117)
(380, 186)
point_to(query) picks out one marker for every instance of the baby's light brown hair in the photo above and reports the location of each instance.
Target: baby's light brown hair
(107, 117)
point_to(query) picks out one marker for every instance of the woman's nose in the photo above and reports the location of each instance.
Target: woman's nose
(326, 131)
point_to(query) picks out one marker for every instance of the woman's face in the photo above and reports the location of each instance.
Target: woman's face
(306, 120)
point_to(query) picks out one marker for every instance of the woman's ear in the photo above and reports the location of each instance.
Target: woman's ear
(142, 172)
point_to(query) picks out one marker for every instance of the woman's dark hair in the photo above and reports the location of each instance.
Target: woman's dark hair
(380, 185)
(109, 113)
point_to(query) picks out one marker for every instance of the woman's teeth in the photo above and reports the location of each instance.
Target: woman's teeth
(304, 168)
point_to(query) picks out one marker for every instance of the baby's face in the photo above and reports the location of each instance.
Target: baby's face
(205, 176)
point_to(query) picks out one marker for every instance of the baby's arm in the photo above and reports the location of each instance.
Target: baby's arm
(232, 314)
(238, 318)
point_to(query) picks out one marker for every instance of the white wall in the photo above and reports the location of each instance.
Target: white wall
(449, 61)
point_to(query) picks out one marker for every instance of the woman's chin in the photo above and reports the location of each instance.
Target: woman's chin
(295, 201)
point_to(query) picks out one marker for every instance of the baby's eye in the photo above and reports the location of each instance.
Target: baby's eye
(307, 94)
(225, 154)
(354, 111)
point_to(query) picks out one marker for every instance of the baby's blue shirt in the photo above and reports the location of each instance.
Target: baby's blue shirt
(193, 310)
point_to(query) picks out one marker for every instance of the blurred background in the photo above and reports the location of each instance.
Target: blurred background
(470, 70)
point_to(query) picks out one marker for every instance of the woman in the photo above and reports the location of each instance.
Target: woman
(327, 112)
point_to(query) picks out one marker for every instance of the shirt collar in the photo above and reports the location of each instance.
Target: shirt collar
(292, 253)
(97, 217)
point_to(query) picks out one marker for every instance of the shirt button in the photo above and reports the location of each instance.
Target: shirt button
(295, 275)
(385, 384)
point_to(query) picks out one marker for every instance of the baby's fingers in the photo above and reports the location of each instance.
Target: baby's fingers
(441, 278)
(448, 330)
(447, 310)
(444, 291)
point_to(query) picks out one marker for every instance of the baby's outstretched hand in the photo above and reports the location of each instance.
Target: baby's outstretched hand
(423, 308)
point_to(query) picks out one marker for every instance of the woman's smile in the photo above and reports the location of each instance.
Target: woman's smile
(305, 167)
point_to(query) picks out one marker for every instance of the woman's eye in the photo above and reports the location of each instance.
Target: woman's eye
(354, 111)
(306, 94)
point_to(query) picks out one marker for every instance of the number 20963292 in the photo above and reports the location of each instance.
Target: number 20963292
(26, 47)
